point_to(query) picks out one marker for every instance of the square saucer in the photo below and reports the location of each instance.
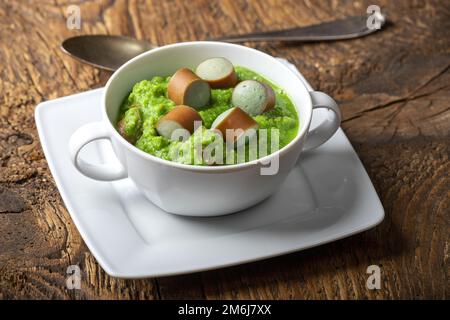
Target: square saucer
(327, 196)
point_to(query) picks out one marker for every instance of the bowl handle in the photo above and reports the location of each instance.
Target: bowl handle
(327, 128)
(80, 138)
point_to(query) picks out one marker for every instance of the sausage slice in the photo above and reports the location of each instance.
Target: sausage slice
(186, 88)
(235, 119)
(180, 117)
(218, 72)
(253, 97)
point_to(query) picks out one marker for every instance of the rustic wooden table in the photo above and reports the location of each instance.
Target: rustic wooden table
(394, 91)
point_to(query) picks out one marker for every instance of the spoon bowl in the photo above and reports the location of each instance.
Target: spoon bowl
(104, 51)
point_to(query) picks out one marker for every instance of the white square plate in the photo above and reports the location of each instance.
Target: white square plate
(327, 196)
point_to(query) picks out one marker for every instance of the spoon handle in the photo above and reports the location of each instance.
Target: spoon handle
(348, 28)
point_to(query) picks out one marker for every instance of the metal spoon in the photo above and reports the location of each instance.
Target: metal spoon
(110, 52)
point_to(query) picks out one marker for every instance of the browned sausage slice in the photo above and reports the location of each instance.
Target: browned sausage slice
(234, 119)
(218, 72)
(180, 117)
(186, 88)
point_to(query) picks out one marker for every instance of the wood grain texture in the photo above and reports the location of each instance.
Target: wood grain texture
(394, 91)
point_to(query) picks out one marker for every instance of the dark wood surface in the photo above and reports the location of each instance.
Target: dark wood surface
(394, 91)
